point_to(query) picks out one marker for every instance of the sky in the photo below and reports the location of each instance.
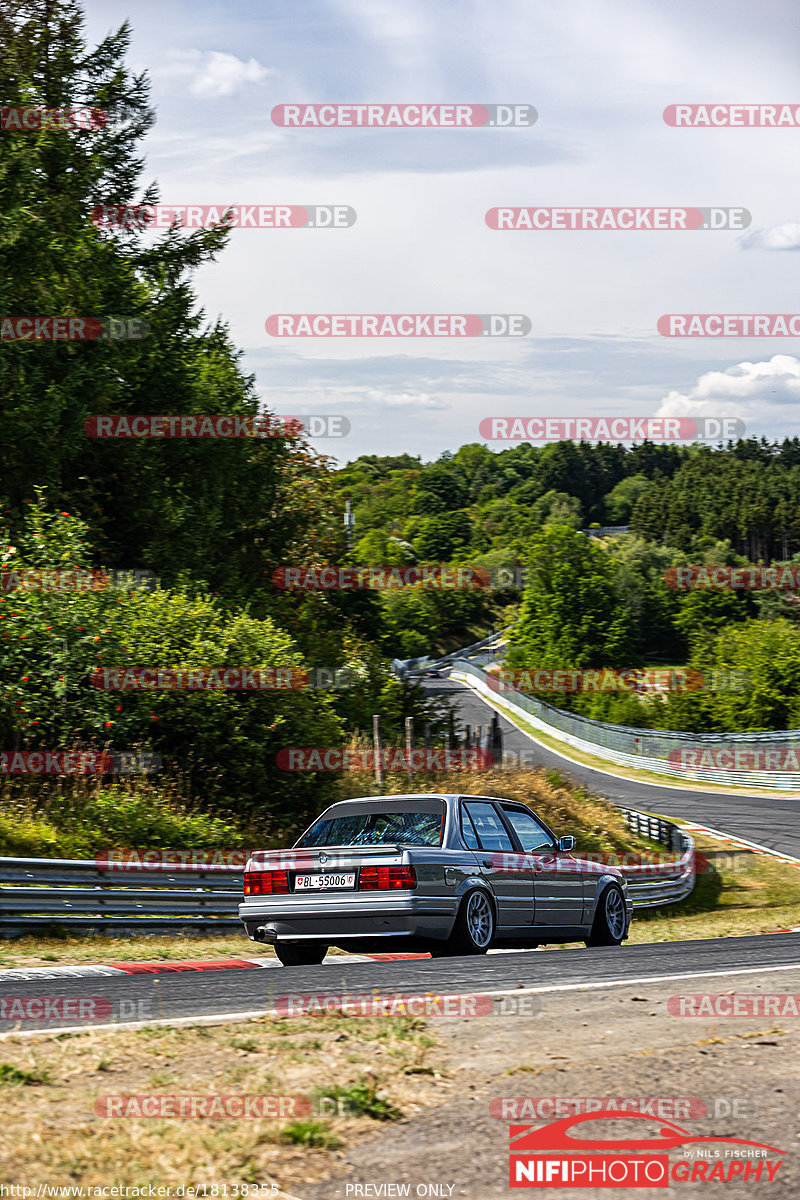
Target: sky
(599, 74)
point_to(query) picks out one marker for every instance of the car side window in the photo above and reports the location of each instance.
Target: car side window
(531, 834)
(471, 840)
(488, 826)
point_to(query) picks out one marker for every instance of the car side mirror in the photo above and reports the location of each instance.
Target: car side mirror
(566, 843)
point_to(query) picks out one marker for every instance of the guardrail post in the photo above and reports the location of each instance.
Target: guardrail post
(376, 743)
(409, 743)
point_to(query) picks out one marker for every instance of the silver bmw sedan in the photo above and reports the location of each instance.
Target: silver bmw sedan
(449, 874)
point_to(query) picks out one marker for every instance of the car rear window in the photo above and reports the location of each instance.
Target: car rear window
(378, 826)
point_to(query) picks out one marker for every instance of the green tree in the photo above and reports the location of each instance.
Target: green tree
(621, 500)
(224, 744)
(440, 538)
(223, 512)
(571, 614)
(767, 695)
(557, 508)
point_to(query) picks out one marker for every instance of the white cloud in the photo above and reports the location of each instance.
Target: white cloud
(404, 400)
(776, 237)
(756, 392)
(362, 399)
(212, 73)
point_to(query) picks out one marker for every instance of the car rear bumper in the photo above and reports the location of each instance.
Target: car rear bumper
(331, 919)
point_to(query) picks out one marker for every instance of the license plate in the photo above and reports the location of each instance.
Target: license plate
(333, 882)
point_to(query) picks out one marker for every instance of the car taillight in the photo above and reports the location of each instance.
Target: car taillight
(386, 879)
(266, 883)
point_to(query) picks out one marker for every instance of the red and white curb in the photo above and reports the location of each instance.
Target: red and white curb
(168, 967)
(171, 967)
(94, 970)
(737, 843)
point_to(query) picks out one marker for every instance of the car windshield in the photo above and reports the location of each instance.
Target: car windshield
(373, 828)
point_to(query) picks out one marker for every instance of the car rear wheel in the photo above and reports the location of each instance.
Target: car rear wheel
(474, 927)
(609, 919)
(301, 954)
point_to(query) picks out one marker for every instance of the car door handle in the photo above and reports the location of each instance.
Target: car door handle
(487, 862)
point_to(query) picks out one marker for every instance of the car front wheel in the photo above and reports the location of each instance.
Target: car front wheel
(301, 954)
(609, 919)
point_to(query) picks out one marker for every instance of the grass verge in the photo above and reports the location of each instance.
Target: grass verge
(49, 1092)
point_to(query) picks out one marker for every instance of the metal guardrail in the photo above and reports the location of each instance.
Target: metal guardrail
(418, 666)
(666, 882)
(645, 749)
(606, 530)
(37, 894)
(79, 895)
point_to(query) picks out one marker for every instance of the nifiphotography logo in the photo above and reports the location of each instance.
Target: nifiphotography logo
(555, 1156)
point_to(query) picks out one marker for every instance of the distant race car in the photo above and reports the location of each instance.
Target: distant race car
(449, 874)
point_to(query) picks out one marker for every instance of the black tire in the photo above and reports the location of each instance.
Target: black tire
(301, 954)
(474, 928)
(610, 919)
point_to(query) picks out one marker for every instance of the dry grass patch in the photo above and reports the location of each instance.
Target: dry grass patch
(68, 951)
(50, 1131)
(55, 951)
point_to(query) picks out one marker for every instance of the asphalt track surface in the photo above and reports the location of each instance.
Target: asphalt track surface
(168, 993)
(772, 821)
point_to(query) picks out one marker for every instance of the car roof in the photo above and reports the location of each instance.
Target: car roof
(429, 796)
(395, 798)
